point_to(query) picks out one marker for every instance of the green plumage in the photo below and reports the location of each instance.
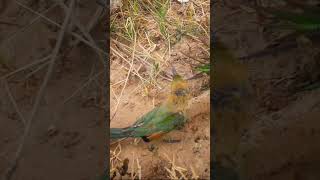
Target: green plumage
(160, 119)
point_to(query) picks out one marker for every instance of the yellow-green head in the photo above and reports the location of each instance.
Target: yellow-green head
(179, 95)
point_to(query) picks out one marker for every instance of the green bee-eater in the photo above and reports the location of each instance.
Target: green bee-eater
(161, 120)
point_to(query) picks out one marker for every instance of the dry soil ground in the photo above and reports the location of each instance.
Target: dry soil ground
(278, 138)
(64, 139)
(189, 158)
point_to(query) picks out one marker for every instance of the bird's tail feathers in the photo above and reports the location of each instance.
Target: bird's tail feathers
(117, 133)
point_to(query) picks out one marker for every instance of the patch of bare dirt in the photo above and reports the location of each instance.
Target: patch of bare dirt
(65, 138)
(277, 137)
(148, 60)
(192, 152)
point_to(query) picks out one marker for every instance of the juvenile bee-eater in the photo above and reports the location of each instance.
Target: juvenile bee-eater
(161, 120)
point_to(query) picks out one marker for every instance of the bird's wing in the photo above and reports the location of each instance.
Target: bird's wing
(169, 122)
(146, 118)
(157, 121)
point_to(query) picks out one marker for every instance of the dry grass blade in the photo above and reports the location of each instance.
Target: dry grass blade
(127, 78)
(82, 86)
(117, 141)
(114, 94)
(36, 70)
(92, 22)
(174, 168)
(13, 101)
(145, 54)
(115, 159)
(135, 72)
(80, 38)
(194, 174)
(133, 175)
(45, 59)
(55, 52)
(84, 31)
(139, 169)
(28, 25)
(117, 151)
(9, 23)
(193, 58)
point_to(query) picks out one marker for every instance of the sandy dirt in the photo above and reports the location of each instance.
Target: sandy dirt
(277, 139)
(192, 152)
(194, 149)
(65, 139)
(156, 159)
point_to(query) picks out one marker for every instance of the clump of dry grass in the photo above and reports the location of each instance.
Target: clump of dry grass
(169, 168)
(115, 160)
(143, 33)
(176, 171)
(120, 167)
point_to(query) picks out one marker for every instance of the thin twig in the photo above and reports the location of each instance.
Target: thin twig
(55, 52)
